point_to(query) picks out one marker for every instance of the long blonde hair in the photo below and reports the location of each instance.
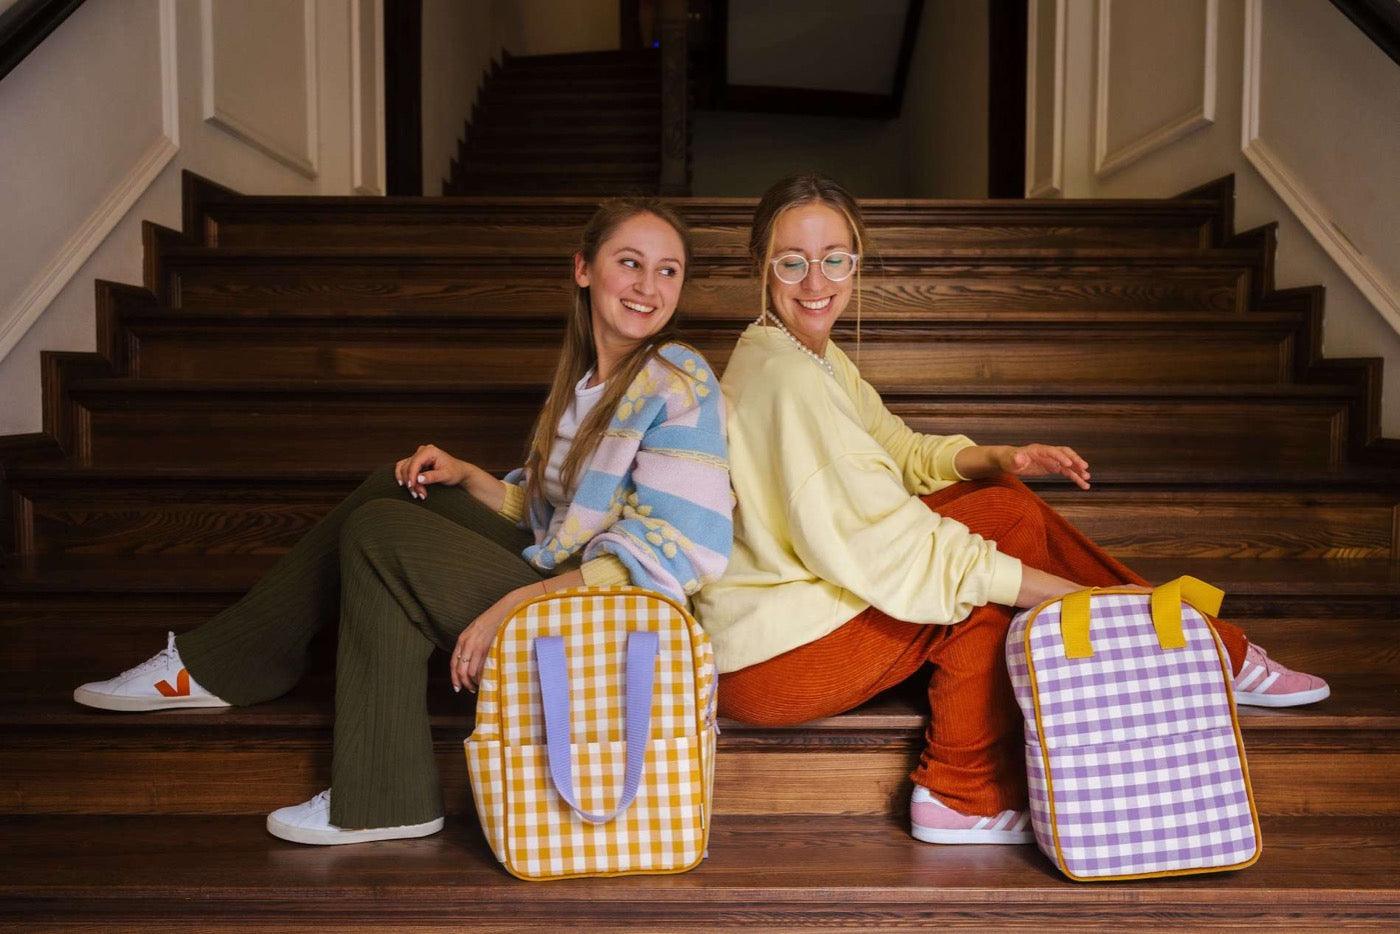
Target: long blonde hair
(796, 191)
(579, 354)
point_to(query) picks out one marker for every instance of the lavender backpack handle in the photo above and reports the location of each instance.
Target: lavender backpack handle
(553, 674)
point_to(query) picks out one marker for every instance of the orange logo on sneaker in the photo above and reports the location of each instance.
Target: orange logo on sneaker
(182, 688)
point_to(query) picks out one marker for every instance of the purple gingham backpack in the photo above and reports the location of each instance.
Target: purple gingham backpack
(1134, 759)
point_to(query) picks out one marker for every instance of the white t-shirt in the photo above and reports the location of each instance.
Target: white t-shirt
(585, 398)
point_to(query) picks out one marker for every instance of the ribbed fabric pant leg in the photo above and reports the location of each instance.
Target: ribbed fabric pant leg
(972, 757)
(255, 650)
(410, 580)
(1072, 554)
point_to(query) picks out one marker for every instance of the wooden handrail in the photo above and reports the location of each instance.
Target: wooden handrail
(1378, 19)
(26, 24)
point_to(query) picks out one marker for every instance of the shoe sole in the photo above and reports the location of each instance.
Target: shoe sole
(338, 837)
(141, 704)
(1296, 699)
(933, 835)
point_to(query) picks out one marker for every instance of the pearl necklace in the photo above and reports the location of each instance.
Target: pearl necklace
(824, 363)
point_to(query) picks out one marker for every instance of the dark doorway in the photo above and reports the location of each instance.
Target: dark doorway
(403, 97)
(1006, 99)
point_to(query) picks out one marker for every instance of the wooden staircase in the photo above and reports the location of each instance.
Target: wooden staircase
(581, 123)
(281, 347)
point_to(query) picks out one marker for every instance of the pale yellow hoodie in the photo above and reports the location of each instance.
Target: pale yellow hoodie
(827, 521)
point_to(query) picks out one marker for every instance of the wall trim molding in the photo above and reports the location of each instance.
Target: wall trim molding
(1055, 184)
(308, 165)
(367, 153)
(1198, 117)
(68, 259)
(1301, 200)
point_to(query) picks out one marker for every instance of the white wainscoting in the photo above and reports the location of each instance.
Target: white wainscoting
(264, 92)
(1187, 105)
(1045, 97)
(1289, 182)
(20, 315)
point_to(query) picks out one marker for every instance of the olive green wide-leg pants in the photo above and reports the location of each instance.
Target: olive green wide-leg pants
(401, 576)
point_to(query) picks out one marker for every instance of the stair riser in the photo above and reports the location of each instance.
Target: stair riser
(377, 233)
(565, 135)
(235, 229)
(599, 121)
(229, 518)
(169, 773)
(94, 638)
(452, 351)
(587, 97)
(154, 428)
(546, 292)
(642, 164)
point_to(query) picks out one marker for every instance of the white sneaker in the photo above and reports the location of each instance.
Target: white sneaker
(310, 822)
(159, 683)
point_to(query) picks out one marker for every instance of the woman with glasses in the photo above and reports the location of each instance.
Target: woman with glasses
(863, 549)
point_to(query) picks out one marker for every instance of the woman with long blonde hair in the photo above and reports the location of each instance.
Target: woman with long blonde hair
(863, 549)
(625, 482)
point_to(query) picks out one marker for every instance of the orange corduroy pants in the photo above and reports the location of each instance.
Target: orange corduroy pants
(973, 757)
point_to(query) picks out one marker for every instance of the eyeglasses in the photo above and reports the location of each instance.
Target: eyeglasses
(837, 266)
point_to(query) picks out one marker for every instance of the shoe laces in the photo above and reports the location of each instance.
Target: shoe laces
(1262, 658)
(162, 659)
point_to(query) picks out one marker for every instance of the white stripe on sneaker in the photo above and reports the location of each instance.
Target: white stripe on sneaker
(1251, 675)
(1267, 683)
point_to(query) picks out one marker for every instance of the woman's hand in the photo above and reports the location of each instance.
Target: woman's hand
(469, 655)
(1038, 460)
(431, 464)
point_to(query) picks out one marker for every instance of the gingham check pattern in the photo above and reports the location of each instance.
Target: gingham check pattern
(1146, 773)
(531, 829)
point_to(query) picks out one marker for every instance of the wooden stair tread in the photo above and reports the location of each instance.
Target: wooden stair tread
(892, 393)
(30, 701)
(934, 324)
(1344, 480)
(828, 871)
(140, 574)
(523, 254)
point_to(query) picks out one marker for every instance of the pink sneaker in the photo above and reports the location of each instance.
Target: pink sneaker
(932, 821)
(1263, 682)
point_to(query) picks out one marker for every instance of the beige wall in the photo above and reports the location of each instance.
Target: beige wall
(741, 154)
(96, 124)
(1285, 94)
(800, 44)
(548, 27)
(944, 118)
(460, 39)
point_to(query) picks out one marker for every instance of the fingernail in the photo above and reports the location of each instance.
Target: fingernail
(456, 689)
(399, 482)
(420, 478)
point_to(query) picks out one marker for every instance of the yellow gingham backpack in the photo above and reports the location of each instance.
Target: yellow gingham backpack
(594, 747)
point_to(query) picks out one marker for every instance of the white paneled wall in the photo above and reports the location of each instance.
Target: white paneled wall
(1152, 97)
(278, 96)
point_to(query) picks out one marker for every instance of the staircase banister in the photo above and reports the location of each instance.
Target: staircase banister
(26, 24)
(1378, 19)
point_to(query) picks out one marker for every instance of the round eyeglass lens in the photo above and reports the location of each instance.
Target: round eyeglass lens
(791, 268)
(838, 266)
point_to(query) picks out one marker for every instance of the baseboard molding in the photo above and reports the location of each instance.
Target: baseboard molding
(16, 321)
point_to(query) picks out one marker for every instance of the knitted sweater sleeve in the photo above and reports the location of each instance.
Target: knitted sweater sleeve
(852, 521)
(675, 526)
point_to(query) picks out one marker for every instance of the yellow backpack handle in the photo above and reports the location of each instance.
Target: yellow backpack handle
(1166, 613)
